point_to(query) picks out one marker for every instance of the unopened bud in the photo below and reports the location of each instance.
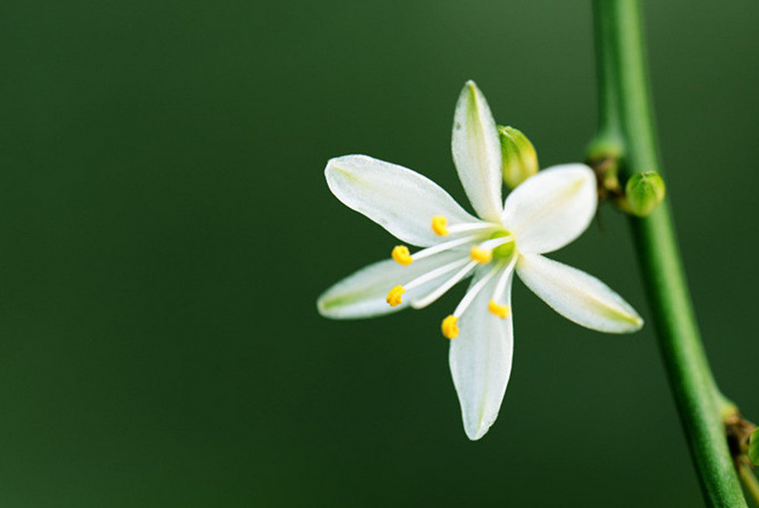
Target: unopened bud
(644, 192)
(753, 448)
(520, 161)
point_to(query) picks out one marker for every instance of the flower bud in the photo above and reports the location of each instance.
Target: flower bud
(644, 192)
(520, 161)
(753, 448)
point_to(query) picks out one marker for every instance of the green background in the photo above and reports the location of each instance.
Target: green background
(165, 230)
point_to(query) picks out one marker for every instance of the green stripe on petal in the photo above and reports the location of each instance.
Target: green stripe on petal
(363, 294)
(577, 296)
(398, 199)
(477, 152)
(480, 359)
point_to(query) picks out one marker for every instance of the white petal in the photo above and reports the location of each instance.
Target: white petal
(552, 208)
(480, 360)
(398, 199)
(364, 293)
(477, 152)
(578, 296)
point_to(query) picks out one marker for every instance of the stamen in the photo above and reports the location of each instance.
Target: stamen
(481, 255)
(500, 286)
(439, 224)
(401, 255)
(450, 328)
(433, 274)
(441, 247)
(445, 286)
(494, 243)
(500, 310)
(473, 292)
(472, 226)
(394, 296)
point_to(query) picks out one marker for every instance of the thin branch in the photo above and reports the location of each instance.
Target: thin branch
(625, 105)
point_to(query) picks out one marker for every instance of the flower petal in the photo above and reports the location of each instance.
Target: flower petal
(480, 360)
(552, 208)
(578, 296)
(477, 152)
(398, 199)
(363, 293)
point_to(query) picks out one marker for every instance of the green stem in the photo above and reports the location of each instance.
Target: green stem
(626, 107)
(608, 139)
(750, 482)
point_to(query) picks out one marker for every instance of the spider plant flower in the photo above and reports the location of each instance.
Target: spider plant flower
(543, 214)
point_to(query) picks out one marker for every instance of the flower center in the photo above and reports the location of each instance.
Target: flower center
(506, 250)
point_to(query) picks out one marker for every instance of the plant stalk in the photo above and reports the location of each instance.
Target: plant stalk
(626, 119)
(750, 482)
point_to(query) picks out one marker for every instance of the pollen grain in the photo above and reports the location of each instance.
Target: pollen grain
(401, 255)
(500, 310)
(440, 225)
(394, 296)
(482, 256)
(450, 328)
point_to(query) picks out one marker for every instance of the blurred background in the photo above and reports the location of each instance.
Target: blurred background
(165, 230)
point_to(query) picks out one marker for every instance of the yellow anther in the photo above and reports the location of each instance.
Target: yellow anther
(500, 310)
(439, 225)
(450, 328)
(394, 296)
(401, 255)
(481, 255)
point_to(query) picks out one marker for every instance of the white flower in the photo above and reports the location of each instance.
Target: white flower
(543, 214)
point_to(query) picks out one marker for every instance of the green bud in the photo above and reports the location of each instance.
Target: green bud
(520, 161)
(644, 192)
(753, 447)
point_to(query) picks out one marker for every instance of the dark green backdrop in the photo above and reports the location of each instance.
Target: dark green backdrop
(165, 229)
